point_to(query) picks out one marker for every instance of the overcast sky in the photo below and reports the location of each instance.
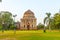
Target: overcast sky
(39, 7)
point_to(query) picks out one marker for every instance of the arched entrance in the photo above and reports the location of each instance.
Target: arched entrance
(28, 27)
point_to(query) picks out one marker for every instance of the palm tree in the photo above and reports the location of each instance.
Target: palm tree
(14, 24)
(47, 20)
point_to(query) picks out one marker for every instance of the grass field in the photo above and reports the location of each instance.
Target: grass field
(30, 35)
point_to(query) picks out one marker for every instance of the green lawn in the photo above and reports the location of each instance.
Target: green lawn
(30, 35)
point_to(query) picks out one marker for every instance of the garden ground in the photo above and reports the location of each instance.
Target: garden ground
(30, 35)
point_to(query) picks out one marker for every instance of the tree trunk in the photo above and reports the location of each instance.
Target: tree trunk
(44, 29)
(49, 28)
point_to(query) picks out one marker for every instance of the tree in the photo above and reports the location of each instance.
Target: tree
(52, 23)
(40, 26)
(57, 20)
(6, 17)
(0, 22)
(47, 20)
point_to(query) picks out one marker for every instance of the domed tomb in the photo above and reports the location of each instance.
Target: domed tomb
(29, 14)
(28, 21)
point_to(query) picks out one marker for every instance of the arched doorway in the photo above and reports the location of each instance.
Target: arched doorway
(28, 27)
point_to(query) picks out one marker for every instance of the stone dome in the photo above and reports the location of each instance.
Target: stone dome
(29, 14)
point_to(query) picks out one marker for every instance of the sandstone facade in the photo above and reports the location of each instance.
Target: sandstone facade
(28, 22)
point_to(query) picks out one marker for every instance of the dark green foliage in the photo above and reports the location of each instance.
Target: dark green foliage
(57, 21)
(6, 18)
(40, 26)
